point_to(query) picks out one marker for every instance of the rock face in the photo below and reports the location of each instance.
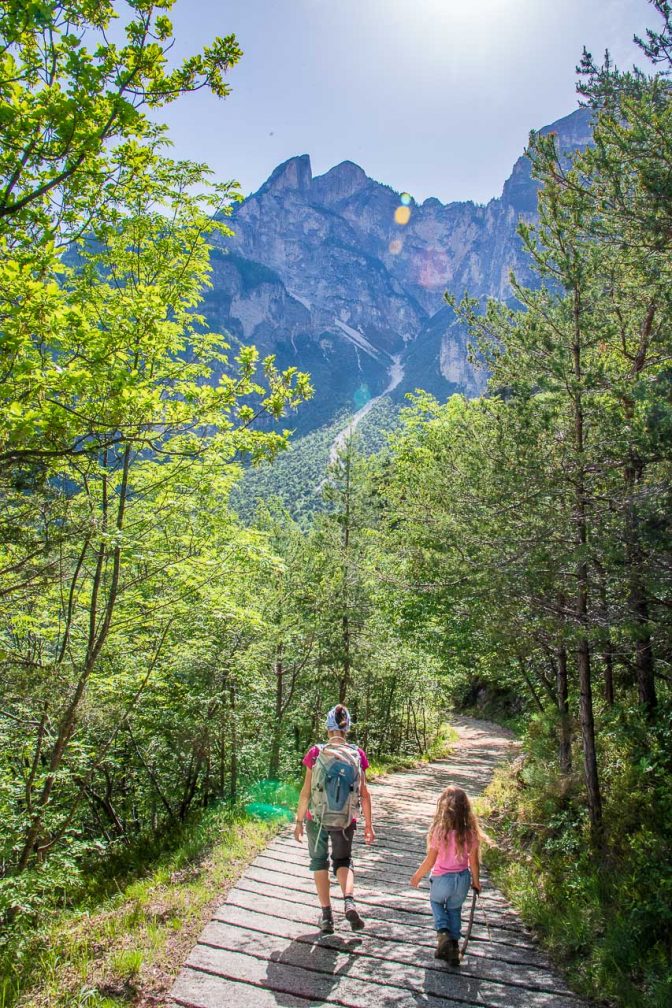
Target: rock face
(324, 273)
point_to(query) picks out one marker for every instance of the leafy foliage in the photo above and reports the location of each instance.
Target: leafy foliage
(162, 657)
(607, 924)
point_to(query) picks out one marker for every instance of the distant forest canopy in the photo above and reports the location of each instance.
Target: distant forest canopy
(161, 654)
(295, 479)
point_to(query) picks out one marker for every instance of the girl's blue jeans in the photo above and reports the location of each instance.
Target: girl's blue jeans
(447, 893)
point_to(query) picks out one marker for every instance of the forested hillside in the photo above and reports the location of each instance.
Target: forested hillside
(296, 479)
(171, 636)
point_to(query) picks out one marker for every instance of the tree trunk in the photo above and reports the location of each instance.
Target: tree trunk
(530, 684)
(606, 643)
(562, 689)
(582, 580)
(589, 749)
(638, 602)
(344, 682)
(345, 679)
(367, 713)
(233, 764)
(274, 761)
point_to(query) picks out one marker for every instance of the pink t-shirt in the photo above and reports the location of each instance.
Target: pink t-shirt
(310, 759)
(447, 859)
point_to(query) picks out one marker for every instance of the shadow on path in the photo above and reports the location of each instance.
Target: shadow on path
(310, 953)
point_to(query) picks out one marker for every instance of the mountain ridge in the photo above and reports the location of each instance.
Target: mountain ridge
(323, 272)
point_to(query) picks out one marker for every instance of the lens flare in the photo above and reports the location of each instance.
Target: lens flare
(395, 246)
(406, 198)
(432, 269)
(361, 396)
(271, 800)
(402, 215)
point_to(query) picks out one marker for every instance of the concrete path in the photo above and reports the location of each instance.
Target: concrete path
(262, 948)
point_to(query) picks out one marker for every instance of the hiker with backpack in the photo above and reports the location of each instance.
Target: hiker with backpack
(453, 860)
(333, 788)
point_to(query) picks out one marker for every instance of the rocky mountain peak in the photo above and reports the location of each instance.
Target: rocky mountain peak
(339, 183)
(294, 174)
(573, 132)
(574, 129)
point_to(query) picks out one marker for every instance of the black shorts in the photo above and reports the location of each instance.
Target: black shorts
(319, 841)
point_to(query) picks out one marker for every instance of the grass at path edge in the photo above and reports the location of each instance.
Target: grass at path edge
(126, 949)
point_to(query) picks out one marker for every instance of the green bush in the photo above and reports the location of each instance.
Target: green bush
(608, 920)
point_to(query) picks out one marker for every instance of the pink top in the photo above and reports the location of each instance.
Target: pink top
(447, 859)
(310, 759)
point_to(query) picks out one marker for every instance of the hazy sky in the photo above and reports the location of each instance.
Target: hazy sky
(435, 97)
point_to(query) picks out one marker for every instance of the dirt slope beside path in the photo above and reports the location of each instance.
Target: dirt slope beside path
(262, 948)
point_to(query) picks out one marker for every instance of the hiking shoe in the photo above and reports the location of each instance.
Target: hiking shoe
(454, 953)
(352, 916)
(442, 945)
(326, 923)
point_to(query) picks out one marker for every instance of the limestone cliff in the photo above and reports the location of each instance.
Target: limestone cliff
(322, 274)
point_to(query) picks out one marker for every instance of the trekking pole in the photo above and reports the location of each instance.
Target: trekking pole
(469, 925)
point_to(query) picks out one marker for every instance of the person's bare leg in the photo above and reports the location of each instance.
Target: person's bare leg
(322, 887)
(324, 896)
(346, 880)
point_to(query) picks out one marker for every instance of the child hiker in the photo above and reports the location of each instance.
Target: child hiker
(452, 859)
(329, 802)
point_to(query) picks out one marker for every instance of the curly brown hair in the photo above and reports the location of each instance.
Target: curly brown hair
(454, 813)
(342, 717)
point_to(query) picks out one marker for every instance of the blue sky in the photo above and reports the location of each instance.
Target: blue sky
(435, 97)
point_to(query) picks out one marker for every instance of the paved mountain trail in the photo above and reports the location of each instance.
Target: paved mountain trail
(262, 948)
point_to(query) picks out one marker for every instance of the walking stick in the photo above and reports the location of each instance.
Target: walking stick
(469, 925)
